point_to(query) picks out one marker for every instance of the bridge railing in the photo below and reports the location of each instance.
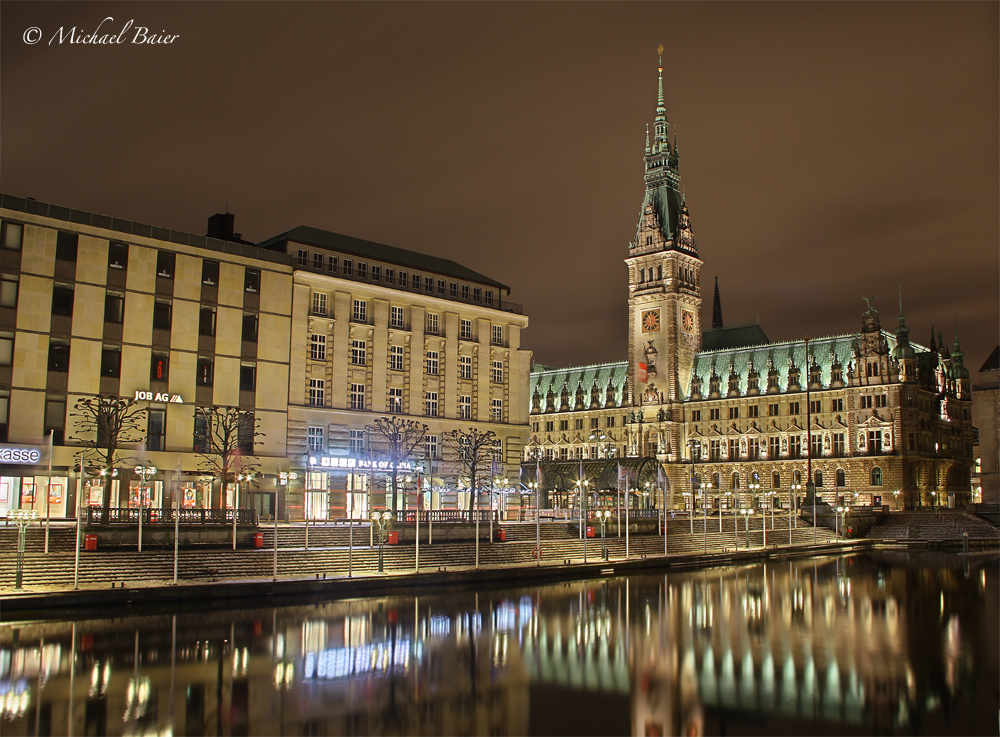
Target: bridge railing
(130, 516)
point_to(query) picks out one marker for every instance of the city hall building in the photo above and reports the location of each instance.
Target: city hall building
(871, 416)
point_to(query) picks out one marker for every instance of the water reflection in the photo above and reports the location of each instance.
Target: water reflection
(867, 644)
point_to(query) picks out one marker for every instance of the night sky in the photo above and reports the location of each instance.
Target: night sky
(828, 151)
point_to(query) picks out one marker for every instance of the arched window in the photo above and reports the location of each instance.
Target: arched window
(876, 476)
(736, 481)
(659, 272)
(716, 481)
(841, 478)
(797, 477)
(642, 275)
(775, 480)
(818, 479)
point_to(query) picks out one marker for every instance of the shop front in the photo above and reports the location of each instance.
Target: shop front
(26, 484)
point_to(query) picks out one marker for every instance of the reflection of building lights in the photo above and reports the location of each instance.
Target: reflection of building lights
(284, 673)
(240, 658)
(345, 662)
(14, 702)
(136, 698)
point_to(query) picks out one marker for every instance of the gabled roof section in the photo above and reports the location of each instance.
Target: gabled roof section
(993, 362)
(377, 251)
(554, 379)
(737, 336)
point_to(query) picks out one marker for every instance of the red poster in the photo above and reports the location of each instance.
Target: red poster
(28, 494)
(55, 493)
(641, 373)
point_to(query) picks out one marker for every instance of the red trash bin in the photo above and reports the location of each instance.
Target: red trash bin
(393, 538)
(258, 539)
(502, 536)
(90, 542)
(590, 532)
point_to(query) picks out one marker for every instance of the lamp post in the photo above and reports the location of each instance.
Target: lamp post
(143, 472)
(582, 485)
(604, 515)
(107, 477)
(836, 522)
(692, 444)
(22, 518)
(247, 478)
(285, 479)
(538, 529)
(793, 498)
(380, 518)
(754, 487)
(746, 512)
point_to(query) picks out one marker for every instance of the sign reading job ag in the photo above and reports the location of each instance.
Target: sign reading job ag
(158, 397)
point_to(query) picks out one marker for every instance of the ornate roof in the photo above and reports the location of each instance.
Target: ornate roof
(544, 379)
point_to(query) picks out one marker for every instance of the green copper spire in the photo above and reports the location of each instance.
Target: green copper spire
(660, 138)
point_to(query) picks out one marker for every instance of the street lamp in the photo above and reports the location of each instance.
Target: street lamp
(793, 499)
(22, 518)
(755, 488)
(603, 515)
(381, 518)
(107, 476)
(746, 512)
(693, 444)
(538, 531)
(836, 522)
(143, 472)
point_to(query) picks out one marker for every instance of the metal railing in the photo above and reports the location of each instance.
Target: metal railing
(446, 515)
(130, 516)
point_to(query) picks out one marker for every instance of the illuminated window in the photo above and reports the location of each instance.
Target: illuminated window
(431, 404)
(158, 367)
(356, 442)
(876, 476)
(464, 408)
(498, 335)
(433, 323)
(396, 317)
(360, 313)
(465, 330)
(395, 400)
(315, 439)
(396, 357)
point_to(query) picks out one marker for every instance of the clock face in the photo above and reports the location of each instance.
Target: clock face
(650, 321)
(687, 321)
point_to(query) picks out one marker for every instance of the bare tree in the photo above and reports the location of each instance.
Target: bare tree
(470, 453)
(396, 440)
(104, 424)
(224, 440)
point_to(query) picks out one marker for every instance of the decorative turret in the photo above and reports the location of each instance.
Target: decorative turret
(963, 388)
(903, 353)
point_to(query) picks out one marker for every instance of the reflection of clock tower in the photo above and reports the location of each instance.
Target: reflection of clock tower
(664, 281)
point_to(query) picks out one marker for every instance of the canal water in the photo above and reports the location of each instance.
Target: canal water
(865, 644)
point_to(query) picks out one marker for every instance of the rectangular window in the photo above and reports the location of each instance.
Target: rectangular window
(331, 264)
(793, 408)
(415, 281)
(395, 400)
(356, 442)
(794, 446)
(497, 372)
(251, 279)
(314, 438)
(696, 415)
(816, 446)
(477, 294)
(317, 392)
(210, 273)
(866, 402)
(433, 323)
(431, 364)
(734, 413)
(753, 410)
(714, 414)
(838, 443)
(11, 236)
(713, 450)
(245, 432)
(402, 279)
(595, 422)
(428, 284)
(773, 447)
(390, 276)
(114, 307)
(118, 256)
(319, 304)
(465, 330)
(205, 372)
(359, 353)
(734, 448)
(610, 422)
(66, 245)
(360, 313)
(348, 267)
(161, 315)
(464, 407)
(396, 317)
(912, 441)
(452, 289)
(376, 273)
(578, 424)
(441, 286)
(362, 270)
(431, 404)
(488, 297)
(564, 424)
(158, 366)
(396, 357)
(465, 367)
(250, 328)
(317, 347)
(156, 429)
(497, 335)
(6, 349)
(357, 396)
(62, 300)
(431, 447)
(496, 410)
(206, 321)
(8, 290)
(303, 258)
(165, 264)
(753, 449)
(549, 425)
(881, 400)
(248, 377)
(318, 261)
(202, 441)
(111, 361)
(836, 405)
(465, 291)
(772, 410)
(815, 406)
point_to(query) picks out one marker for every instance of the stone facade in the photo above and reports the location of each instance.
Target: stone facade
(986, 398)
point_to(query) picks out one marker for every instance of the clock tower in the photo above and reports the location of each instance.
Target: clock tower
(664, 281)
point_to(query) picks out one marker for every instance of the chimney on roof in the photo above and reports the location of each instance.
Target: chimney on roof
(220, 226)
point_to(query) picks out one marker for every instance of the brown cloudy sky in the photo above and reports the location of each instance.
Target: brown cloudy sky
(828, 151)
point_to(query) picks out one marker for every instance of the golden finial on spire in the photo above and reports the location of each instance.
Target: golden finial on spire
(659, 50)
